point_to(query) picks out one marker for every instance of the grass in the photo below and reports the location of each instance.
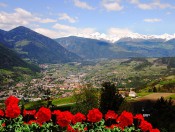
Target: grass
(66, 100)
(171, 96)
(55, 102)
(35, 104)
(141, 94)
(60, 103)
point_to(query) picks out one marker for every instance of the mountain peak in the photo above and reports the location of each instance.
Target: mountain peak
(21, 29)
(37, 47)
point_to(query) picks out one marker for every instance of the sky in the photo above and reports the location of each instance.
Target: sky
(59, 18)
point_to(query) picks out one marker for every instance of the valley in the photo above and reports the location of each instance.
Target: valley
(61, 80)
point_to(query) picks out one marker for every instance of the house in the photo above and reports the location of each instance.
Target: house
(132, 94)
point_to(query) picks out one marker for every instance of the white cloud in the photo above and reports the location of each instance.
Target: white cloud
(156, 4)
(20, 17)
(65, 30)
(152, 20)
(64, 16)
(60, 30)
(3, 5)
(112, 5)
(168, 13)
(119, 31)
(82, 5)
(47, 20)
(47, 32)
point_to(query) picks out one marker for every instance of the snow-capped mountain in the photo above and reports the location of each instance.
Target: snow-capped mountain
(115, 37)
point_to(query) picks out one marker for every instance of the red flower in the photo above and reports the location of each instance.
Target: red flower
(78, 118)
(31, 122)
(125, 119)
(29, 112)
(11, 100)
(94, 115)
(85, 128)
(1, 113)
(114, 125)
(155, 130)
(3, 125)
(145, 126)
(139, 117)
(64, 118)
(110, 115)
(12, 111)
(70, 129)
(56, 112)
(43, 115)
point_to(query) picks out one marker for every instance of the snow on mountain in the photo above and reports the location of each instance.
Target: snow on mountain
(115, 37)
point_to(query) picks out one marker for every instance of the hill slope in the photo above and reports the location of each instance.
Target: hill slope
(9, 59)
(36, 47)
(92, 48)
(13, 69)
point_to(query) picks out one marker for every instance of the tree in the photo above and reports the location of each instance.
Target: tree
(163, 115)
(86, 99)
(110, 98)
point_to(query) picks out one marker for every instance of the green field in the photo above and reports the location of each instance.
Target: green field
(61, 102)
(171, 96)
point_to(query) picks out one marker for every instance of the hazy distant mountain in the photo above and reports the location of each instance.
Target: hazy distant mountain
(93, 49)
(9, 59)
(36, 47)
(148, 47)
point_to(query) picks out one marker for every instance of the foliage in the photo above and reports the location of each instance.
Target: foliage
(86, 98)
(162, 115)
(110, 98)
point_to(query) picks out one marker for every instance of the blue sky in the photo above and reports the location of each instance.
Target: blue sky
(57, 18)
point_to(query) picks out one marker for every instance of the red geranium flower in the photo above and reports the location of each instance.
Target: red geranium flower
(56, 112)
(114, 125)
(110, 115)
(31, 122)
(64, 118)
(145, 126)
(94, 115)
(12, 111)
(11, 100)
(139, 117)
(70, 129)
(3, 125)
(1, 113)
(125, 119)
(78, 118)
(155, 130)
(43, 115)
(29, 112)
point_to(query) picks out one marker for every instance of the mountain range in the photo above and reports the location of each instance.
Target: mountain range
(112, 38)
(38, 48)
(35, 47)
(123, 48)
